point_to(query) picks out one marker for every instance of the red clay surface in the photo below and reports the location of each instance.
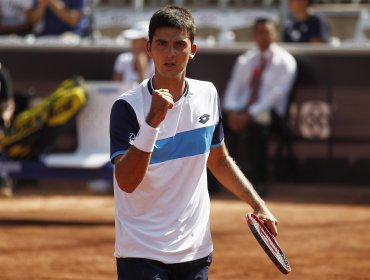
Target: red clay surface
(61, 231)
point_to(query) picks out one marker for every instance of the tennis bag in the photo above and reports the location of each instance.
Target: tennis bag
(35, 130)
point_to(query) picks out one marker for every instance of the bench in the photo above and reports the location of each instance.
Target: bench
(91, 159)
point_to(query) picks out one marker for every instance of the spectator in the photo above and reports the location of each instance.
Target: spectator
(13, 19)
(55, 17)
(136, 65)
(256, 98)
(7, 108)
(7, 104)
(305, 26)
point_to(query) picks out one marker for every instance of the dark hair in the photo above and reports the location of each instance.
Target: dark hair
(172, 16)
(262, 20)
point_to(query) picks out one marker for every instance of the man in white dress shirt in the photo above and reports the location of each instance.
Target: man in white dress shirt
(257, 96)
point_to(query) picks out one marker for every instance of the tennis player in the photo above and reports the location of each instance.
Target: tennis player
(163, 136)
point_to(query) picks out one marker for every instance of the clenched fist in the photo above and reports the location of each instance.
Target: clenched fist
(162, 101)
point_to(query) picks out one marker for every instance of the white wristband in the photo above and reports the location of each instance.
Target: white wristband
(146, 137)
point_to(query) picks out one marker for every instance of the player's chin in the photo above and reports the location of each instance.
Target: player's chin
(170, 73)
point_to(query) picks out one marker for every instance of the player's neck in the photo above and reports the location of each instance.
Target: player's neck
(175, 85)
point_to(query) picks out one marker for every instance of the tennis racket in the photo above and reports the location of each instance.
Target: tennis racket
(268, 243)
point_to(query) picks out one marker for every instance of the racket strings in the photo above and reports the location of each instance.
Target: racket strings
(266, 236)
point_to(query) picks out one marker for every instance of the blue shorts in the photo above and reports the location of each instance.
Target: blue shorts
(145, 269)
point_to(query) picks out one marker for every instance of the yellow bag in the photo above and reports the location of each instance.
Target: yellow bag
(34, 130)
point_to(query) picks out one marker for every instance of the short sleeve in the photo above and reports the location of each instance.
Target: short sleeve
(123, 128)
(218, 135)
(76, 4)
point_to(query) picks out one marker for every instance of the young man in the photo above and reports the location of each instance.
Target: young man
(305, 26)
(256, 100)
(164, 135)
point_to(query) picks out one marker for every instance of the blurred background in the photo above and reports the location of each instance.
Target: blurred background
(328, 138)
(62, 67)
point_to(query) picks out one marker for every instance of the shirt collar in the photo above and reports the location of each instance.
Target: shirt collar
(267, 54)
(151, 87)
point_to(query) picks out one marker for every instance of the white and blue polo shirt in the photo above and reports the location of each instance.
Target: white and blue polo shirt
(167, 217)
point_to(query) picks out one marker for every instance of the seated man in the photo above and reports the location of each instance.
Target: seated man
(256, 95)
(13, 19)
(56, 17)
(7, 108)
(305, 26)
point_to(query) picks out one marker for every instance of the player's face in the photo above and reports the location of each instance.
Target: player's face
(171, 50)
(264, 34)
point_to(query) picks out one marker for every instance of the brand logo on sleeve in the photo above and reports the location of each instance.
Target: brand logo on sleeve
(131, 138)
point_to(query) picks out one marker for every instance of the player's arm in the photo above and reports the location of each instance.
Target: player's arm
(226, 171)
(130, 168)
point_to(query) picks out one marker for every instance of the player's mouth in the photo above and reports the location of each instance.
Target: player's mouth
(170, 64)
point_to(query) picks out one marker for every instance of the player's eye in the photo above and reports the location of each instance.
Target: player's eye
(161, 43)
(180, 44)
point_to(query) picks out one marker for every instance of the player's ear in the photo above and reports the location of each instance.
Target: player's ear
(148, 48)
(193, 50)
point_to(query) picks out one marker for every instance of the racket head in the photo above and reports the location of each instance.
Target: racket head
(268, 243)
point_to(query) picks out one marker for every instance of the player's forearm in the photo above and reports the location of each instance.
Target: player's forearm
(130, 169)
(231, 177)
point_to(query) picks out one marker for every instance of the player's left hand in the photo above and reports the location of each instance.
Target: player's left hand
(271, 222)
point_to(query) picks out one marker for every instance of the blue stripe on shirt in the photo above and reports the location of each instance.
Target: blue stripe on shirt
(183, 144)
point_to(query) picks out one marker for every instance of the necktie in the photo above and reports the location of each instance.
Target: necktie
(255, 81)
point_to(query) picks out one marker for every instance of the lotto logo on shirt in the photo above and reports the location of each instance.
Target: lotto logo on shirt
(204, 118)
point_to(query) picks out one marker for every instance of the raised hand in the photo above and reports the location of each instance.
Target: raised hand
(162, 101)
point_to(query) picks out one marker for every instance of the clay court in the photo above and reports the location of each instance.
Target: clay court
(61, 231)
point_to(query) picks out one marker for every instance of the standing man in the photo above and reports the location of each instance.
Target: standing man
(164, 135)
(256, 98)
(305, 26)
